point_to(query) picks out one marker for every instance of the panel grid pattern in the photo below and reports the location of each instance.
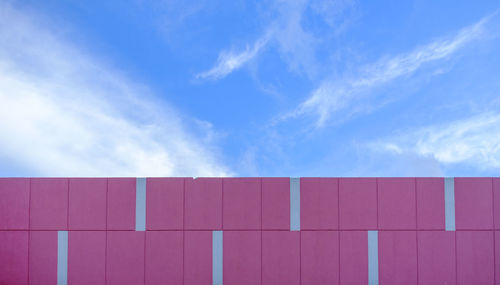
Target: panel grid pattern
(408, 216)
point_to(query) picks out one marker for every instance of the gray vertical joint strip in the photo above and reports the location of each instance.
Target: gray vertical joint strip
(294, 204)
(217, 258)
(449, 203)
(62, 257)
(140, 204)
(373, 257)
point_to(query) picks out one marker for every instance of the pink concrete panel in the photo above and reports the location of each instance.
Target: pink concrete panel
(125, 257)
(397, 257)
(164, 257)
(319, 199)
(473, 203)
(475, 257)
(241, 257)
(241, 198)
(397, 206)
(121, 203)
(203, 204)
(276, 203)
(14, 257)
(86, 257)
(197, 258)
(319, 257)
(14, 203)
(496, 201)
(87, 203)
(280, 258)
(436, 257)
(49, 204)
(358, 203)
(43, 257)
(430, 203)
(165, 203)
(354, 257)
(497, 257)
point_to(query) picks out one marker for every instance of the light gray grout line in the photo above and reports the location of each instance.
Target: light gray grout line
(294, 204)
(62, 257)
(217, 246)
(373, 257)
(449, 203)
(140, 204)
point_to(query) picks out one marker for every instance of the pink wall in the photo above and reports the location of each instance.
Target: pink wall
(254, 215)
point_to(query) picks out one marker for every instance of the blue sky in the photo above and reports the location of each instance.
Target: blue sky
(249, 88)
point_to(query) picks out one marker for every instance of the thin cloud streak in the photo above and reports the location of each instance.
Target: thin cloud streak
(65, 113)
(473, 141)
(228, 62)
(285, 32)
(334, 95)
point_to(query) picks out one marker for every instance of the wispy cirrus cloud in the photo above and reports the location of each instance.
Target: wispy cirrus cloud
(474, 141)
(230, 61)
(286, 33)
(347, 93)
(64, 112)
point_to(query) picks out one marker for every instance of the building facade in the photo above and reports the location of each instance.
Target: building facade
(204, 231)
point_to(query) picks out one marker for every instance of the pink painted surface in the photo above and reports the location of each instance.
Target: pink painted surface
(358, 203)
(473, 203)
(354, 257)
(430, 203)
(164, 257)
(496, 202)
(14, 257)
(165, 203)
(397, 257)
(14, 203)
(87, 203)
(319, 209)
(397, 206)
(203, 205)
(49, 204)
(497, 257)
(121, 203)
(125, 257)
(86, 257)
(198, 258)
(241, 257)
(280, 258)
(319, 257)
(276, 203)
(43, 257)
(475, 257)
(241, 204)
(170, 255)
(436, 257)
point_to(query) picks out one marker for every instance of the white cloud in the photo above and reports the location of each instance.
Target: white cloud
(334, 95)
(296, 45)
(65, 113)
(231, 61)
(285, 32)
(473, 141)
